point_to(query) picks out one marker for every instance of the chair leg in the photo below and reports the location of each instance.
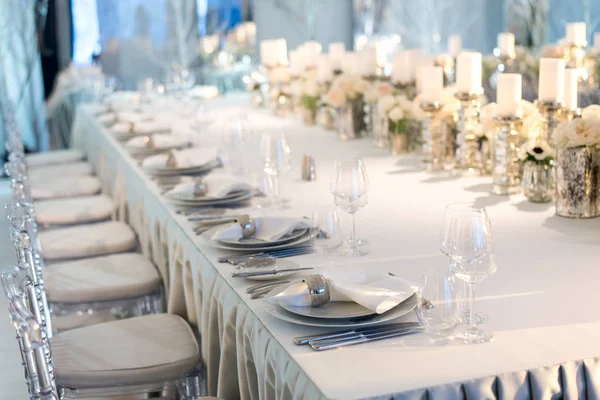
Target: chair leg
(192, 385)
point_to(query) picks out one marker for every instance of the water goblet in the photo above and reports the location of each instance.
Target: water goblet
(438, 308)
(328, 231)
(277, 159)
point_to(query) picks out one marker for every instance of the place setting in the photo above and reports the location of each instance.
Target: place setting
(140, 126)
(143, 146)
(174, 163)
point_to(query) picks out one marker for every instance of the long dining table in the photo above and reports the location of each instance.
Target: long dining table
(542, 302)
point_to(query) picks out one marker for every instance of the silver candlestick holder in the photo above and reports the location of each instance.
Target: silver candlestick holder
(507, 168)
(550, 111)
(466, 139)
(408, 89)
(432, 132)
(568, 115)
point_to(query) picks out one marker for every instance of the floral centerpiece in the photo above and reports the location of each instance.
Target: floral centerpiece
(578, 165)
(399, 113)
(374, 120)
(538, 170)
(346, 95)
(310, 97)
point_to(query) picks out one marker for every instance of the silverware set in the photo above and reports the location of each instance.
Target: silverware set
(236, 259)
(350, 337)
(273, 271)
(262, 289)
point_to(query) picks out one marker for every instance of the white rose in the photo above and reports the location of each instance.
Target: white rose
(528, 109)
(396, 114)
(371, 96)
(591, 112)
(336, 98)
(311, 89)
(361, 86)
(386, 103)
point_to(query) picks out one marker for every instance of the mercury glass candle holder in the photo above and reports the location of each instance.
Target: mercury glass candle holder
(507, 168)
(550, 111)
(568, 115)
(466, 139)
(408, 89)
(575, 58)
(432, 131)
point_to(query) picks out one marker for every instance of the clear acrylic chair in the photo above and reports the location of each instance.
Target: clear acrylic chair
(140, 358)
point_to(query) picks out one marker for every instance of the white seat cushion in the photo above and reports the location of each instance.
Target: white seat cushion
(65, 187)
(118, 276)
(80, 168)
(73, 210)
(87, 240)
(71, 321)
(151, 348)
(53, 157)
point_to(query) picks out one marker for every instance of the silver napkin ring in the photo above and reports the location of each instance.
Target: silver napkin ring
(247, 224)
(318, 290)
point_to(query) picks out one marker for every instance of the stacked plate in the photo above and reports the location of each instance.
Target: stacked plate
(335, 314)
(297, 238)
(155, 144)
(191, 162)
(190, 200)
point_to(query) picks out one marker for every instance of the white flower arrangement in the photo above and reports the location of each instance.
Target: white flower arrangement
(576, 133)
(398, 110)
(450, 105)
(279, 75)
(531, 116)
(310, 94)
(537, 151)
(377, 91)
(345, 88)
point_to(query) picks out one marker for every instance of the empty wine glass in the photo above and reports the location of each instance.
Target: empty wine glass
(326, 223)
(350, 185)
(237, 134)
(438, 308)
(277, 158)
(467, 239)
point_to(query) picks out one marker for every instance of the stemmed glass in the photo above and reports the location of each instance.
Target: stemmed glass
(277, 158)
(350, 185)
(237, 134)
(467, 239)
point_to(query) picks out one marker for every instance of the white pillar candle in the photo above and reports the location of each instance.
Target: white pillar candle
(417, 60)
(265, 52)
(324, 70)
(597, 42)
(311, 50)
(506, 44)
(454, 45)
(576, 34)
(468, 72)
(433, 84)
(571, 83)
(296, 62)
(402, 69)
(368, 61)
(336, 53)
(350, 63)
(273, 52)
(508, 95)
(552, 80)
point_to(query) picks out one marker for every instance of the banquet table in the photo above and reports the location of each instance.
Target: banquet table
(541, 302)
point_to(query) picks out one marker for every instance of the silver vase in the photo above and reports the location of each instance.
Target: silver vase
(506, 169)
(578, 182)
(538, 182)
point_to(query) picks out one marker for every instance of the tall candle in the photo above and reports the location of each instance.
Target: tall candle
(552, 80)
(454, 45)
(571, 83)
(324, 70)
(336, 53)
(310, 51)
(350, 63)
(402, 70)
(265, 52)
(368, 61)
(597, 42)
(508, 95)
(433, 84)
(468, 72)
(417, 59)
(506, 44)
(296, 62)
(576, 34)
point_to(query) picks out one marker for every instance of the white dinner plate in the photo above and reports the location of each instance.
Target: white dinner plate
(253, 242)
(191, 197)
(279, 312)
(332, 310)
(207, 237)
(216, 203)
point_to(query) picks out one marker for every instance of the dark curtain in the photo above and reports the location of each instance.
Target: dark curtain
(49, 46)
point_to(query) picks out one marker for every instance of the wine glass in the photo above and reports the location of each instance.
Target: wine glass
(467, 239)
(277, 158)
(438, 308)
(326, 222)
(350, 185)
(237, 134)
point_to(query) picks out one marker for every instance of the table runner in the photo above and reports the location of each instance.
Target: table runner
(540, 303)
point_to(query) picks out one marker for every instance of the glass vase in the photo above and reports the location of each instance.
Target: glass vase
(399, 143)
(538, 182)
(309, 116)
(578, 182)
(351, 120)
(506, 169)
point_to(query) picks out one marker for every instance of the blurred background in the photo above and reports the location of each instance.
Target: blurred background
(214, 42)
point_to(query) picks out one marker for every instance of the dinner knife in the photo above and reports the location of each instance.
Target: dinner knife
(269, 272)
(364, 338)
(302, 340)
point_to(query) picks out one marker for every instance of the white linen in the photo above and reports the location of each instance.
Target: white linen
(219, 184)
(545, 342)
(267, 228)
(123, 130)
(187, 158)
(161, 141)
(375, 291)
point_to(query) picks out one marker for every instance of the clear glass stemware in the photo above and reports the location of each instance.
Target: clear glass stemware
(438, 308)
(277, 159)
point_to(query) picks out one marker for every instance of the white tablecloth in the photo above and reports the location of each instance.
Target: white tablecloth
(541, 303)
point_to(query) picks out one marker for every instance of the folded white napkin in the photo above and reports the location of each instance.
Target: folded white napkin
(187, 158)
(97, 109)
(267, 228)
(106, 119)
(376, 291)
(132, 116)
(219, 184)
(160, 140)
(124, 129)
